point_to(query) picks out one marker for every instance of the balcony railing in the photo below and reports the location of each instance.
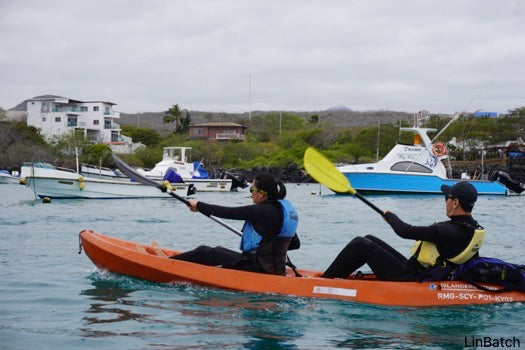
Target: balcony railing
(230, 136)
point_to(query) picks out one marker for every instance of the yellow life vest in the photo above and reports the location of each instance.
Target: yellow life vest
(427, 252)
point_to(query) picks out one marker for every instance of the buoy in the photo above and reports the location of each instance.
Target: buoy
(46, 200)
(439, 149)
(81, 183)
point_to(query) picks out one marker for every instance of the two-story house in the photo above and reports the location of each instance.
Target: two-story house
(218, 132)
(55, 116)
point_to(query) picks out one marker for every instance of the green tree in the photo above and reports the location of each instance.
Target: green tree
(98, 154)
(314, 119)
(172, 115)
(145, 136)
(266, 127)
(2, 114)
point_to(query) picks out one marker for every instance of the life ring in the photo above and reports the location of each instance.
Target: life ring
(439, 149)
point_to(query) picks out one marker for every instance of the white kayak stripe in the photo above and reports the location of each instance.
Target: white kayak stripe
(335, 291)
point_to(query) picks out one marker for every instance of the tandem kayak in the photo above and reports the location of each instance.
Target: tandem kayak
(122, 257)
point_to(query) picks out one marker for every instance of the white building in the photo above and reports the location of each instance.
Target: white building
(56, 116)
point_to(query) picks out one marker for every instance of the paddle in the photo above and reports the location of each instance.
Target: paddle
(323, 171)
(132, 174)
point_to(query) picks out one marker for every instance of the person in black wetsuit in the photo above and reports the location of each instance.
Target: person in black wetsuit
(268, 233)
(450, 237)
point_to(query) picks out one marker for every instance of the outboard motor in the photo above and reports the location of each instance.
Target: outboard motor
(236, 181)
(191, 190)
(505, 179)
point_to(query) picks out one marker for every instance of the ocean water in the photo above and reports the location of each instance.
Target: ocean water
(51, 297)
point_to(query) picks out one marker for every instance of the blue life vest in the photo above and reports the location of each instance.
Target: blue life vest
(251, 239)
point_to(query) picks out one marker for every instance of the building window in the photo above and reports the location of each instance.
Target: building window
(95, 122)
(95, 108)
(83, 108)
(57, 119)
(44, 119)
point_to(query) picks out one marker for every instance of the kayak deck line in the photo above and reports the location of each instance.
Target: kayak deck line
(122, 257)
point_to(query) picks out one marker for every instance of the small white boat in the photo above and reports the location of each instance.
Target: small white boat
(101, 172)
(415, 168)
(175, 158)
(49, 181)
(7, 178)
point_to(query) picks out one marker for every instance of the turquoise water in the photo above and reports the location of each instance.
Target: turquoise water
(53, 298)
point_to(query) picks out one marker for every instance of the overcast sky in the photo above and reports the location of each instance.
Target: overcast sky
(236, 56)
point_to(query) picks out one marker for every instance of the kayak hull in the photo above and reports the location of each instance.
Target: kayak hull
(122, 257)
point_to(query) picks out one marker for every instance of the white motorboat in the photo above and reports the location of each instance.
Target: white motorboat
(47, 180)
(176, 158)
(415, 168)
(7, 178)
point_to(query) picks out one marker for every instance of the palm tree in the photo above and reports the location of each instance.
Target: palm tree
(173, 115)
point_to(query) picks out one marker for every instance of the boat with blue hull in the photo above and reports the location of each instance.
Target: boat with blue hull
(415, 184)
(412, 169)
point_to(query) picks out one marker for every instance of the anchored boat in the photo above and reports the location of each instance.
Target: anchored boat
(47, 180)
(122, 257)
(175, 158)
(415, 168)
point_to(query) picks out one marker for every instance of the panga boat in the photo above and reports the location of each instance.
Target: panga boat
(121, 256)
(49, 181)
(415, 168)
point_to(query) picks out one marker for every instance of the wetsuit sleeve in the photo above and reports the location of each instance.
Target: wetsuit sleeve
(247, 212)
(439, 233)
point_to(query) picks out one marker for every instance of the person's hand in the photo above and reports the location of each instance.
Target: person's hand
(193, 205)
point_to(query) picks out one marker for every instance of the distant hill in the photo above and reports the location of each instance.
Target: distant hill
(339, 108)
(336, 117)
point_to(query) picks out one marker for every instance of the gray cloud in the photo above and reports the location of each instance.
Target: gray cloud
(444, 56)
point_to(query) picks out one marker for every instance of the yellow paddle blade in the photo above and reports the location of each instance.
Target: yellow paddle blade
(323, 171)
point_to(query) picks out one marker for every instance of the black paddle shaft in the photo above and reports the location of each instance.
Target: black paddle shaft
(132, 174)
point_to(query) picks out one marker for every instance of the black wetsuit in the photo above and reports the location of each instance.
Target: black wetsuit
(266, 218)
(451, 238)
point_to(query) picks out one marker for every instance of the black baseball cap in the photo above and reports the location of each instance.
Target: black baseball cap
(464, 192)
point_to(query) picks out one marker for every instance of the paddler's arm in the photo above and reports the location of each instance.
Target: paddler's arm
(235, 213)
(404, 230)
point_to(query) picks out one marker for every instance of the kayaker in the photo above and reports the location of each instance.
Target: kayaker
(440, 246)
(268, 233)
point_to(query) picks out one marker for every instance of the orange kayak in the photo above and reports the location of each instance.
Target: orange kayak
(120, 256)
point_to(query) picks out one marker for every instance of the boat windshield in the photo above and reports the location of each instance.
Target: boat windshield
(410, 166)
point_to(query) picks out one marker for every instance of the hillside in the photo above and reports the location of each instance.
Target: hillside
(337, 117)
